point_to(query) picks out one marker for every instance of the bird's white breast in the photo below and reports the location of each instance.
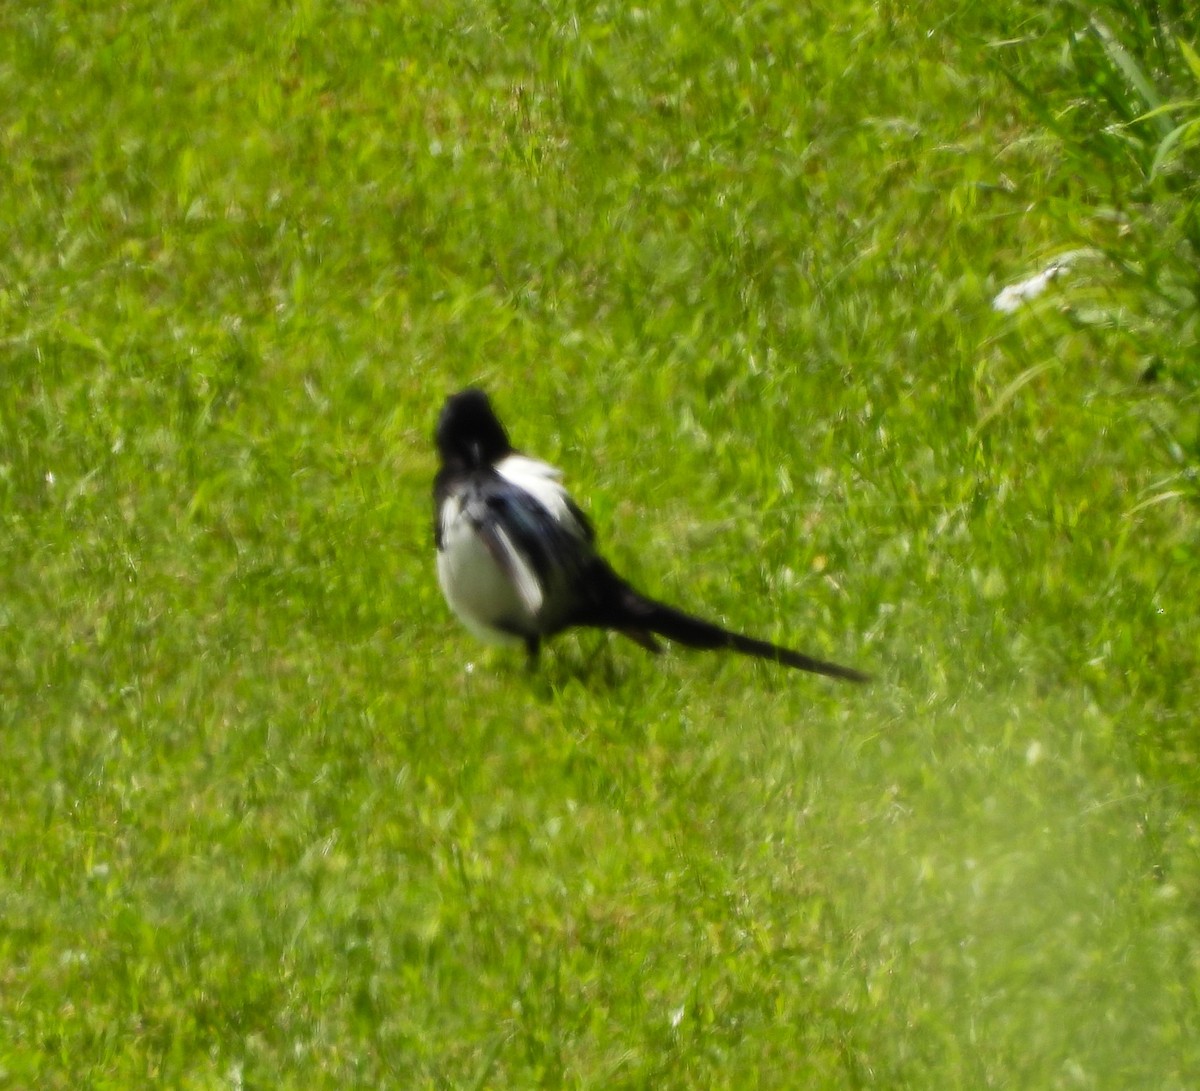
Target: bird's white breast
(476, 587)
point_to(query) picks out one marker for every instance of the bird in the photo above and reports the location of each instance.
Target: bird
(517, 559)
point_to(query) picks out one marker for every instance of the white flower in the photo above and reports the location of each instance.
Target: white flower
(1015, 295)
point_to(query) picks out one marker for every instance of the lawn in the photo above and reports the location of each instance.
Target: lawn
(272, 819)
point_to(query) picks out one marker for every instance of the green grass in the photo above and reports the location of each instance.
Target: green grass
(272, 820)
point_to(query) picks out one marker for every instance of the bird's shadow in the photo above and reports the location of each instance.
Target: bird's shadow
(607, 661)
(593, 661)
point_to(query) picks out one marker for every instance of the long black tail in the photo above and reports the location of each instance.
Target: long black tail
(636, 616)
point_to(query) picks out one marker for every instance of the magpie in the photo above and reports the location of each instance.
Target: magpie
(517, 559)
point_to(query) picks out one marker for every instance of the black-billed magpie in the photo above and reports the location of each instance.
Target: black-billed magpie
(517, 560)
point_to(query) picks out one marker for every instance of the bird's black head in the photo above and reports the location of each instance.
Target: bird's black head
(468, 431)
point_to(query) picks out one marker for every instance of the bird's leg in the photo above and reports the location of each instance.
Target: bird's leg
(532, 647)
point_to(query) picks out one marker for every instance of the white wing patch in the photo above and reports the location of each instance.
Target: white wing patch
(523, 577)
(544, 483)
